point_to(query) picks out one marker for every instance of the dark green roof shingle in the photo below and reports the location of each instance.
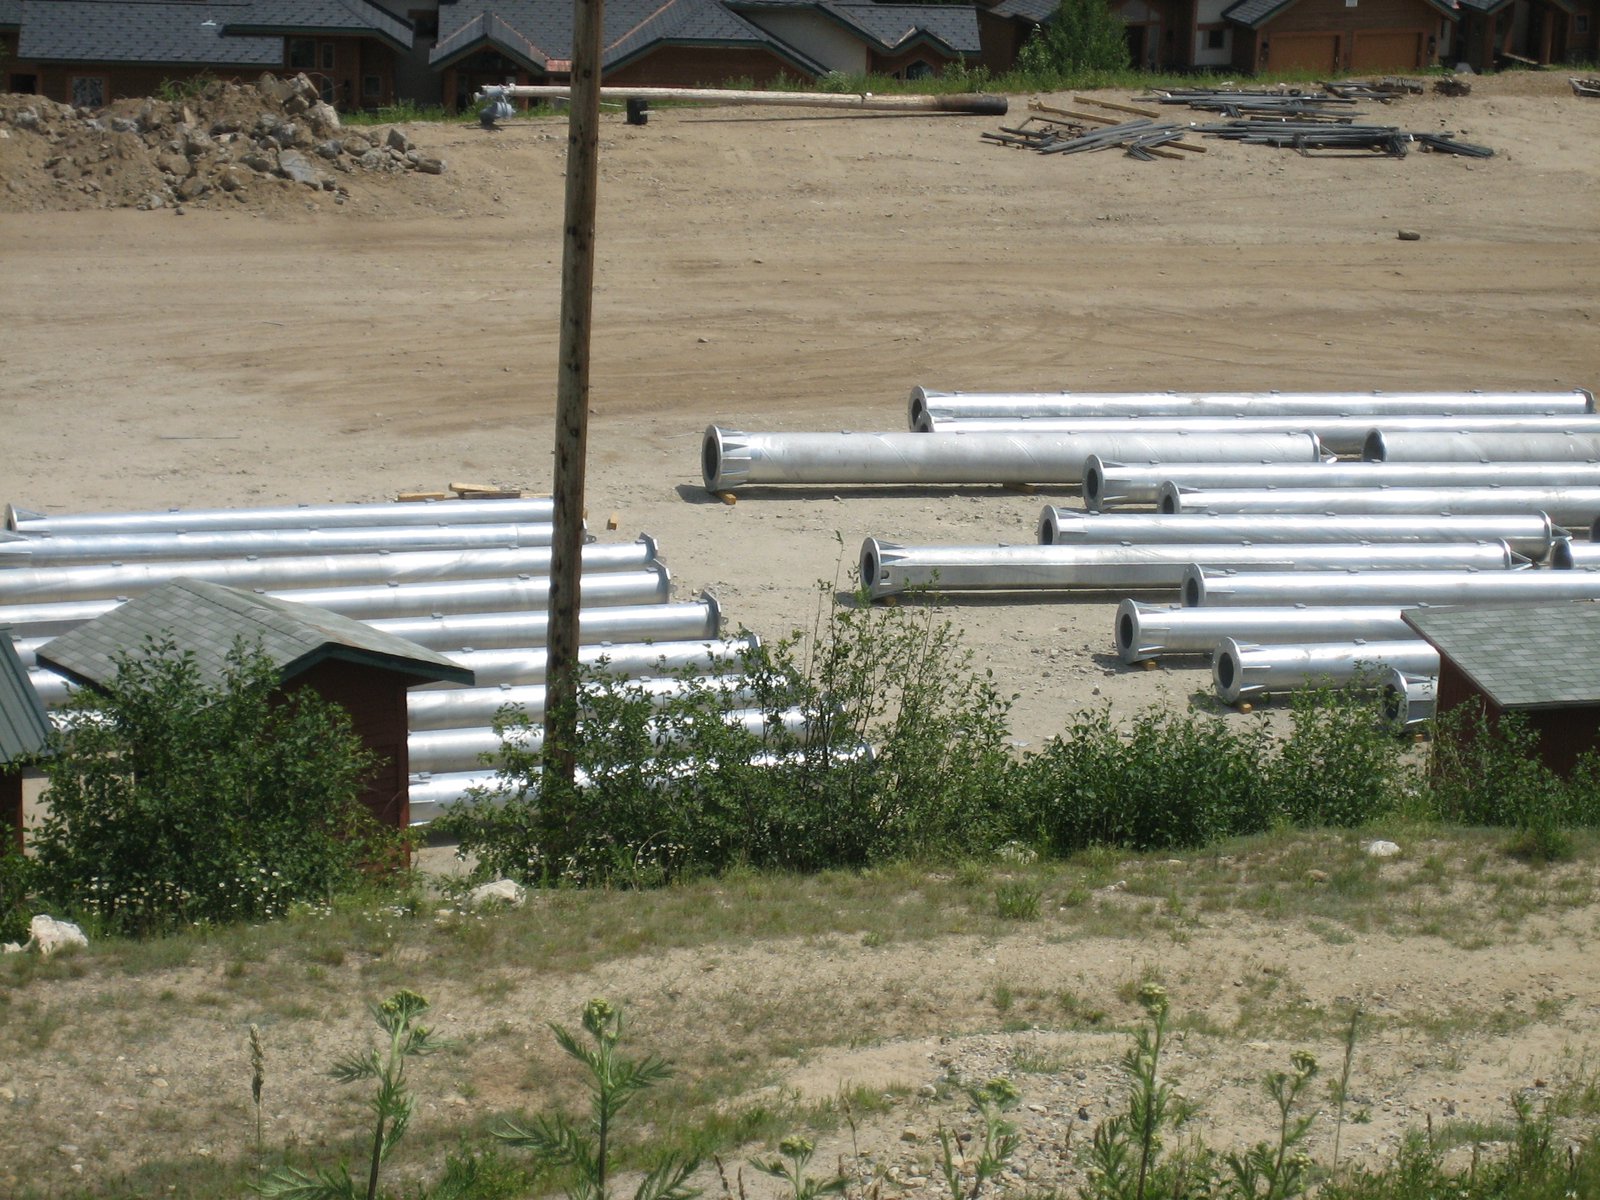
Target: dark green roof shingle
(1521, 656)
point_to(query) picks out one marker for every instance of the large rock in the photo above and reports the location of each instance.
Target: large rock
(500, 892)
(174, 163)
(296, 166)
(47, 935)
(396, 140)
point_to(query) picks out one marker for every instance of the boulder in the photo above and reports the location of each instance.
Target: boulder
(296, 166)
(323, 116)
(430, 166)
(501, 891)
(396, 140)
(174, 163)
(47, 935)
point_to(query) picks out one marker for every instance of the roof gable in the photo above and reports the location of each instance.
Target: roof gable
(206, 620)
(177, 32)
(24, 728)
(953, 27)
(1521, 656)
(359, 17)
(1256, 13)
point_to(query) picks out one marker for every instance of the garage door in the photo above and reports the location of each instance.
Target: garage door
(1303, 52)
(1387, 50)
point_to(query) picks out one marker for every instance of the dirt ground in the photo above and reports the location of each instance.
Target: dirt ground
(777, 270)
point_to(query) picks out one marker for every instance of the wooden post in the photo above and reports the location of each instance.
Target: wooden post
(572, 394)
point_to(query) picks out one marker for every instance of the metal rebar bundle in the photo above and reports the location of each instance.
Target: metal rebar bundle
(536, 510)
(1145, 631)
(1573, 507)
(88, 581)
(1528, 535)
(888, 569)
(1408, 699)
(1242, 671)
(1107, 486)
(926, 402)
(1568, 440)
(68, 549)
(733, 459)
(1203, 588)
(1338, 434)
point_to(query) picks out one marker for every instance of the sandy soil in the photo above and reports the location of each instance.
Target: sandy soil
(774, 270)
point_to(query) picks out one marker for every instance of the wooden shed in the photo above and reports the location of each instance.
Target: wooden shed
(364, 671)
(1328, 36)
(24, 733)
(1542, 661)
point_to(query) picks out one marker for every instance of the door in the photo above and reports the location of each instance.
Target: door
(1316, 52)
(1387, 50)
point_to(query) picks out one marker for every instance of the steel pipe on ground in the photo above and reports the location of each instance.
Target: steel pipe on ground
(1570, 555)
(691, 620)
(888, 569)
(67, 549)
(1338, 435)
(431, 793)
(476, 707)
(465, 749)
(491, 668)
(867, 101)
(396, 600)
(1577, 442)
(1109, 485)
(1529, 536)
(1572, 507)
(1407, 699)
(1145, 631)
(1240, 672)
(42, 585)
(733, 459)
(536, 510)
(926, 401)
(1409, 589)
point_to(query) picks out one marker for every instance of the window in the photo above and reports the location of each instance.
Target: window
(325, 89)
(88, 91)
(1216, 39)
(302, 54)
(919, 70)
(1580, 23)
(371, 87)
(327, 56)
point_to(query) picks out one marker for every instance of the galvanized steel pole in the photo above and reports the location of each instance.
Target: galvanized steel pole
(572, 388)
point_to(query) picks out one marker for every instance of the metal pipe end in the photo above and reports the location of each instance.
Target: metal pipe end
(1129, 632)
(724, 459)
(1169, 498)
(874, 577)
(713, 613)
(1049, 527)
(1227, 673)
(663, 581)
(1588, 399)
(929, 423)
(16, 516)
(1194, 586)
(1094, 483)
(1561, 554)
(1373, 448)
(916, 407)
(652, 548)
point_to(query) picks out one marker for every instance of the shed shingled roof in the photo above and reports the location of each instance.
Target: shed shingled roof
(24, 728)
(1521, 656)
(173, 32)
(207, 619)
(1256, 13)
(10, 14)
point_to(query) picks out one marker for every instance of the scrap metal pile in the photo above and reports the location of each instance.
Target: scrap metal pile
(1322, 123)
(1286, 567)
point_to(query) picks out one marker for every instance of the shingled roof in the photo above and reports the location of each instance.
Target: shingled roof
(894, 26)
(357, 17)
(10, 14)
(1255, 13)
(206, 620)
(24, 728)
(174, 32)
(1521, 656)
(538, 33)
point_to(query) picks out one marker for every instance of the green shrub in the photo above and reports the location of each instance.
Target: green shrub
(680, 787)
(16, 884)
(172, 800)
(1337, 765)
(1084, 37)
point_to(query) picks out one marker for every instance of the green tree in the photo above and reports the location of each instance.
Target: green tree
(174, 800)
(1084, 37)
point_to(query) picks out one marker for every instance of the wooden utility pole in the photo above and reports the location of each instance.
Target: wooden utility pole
(572, 395)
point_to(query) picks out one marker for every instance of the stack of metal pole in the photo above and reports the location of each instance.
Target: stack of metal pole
(466, 578)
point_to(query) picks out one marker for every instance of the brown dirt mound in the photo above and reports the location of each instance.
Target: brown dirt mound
(252, 146)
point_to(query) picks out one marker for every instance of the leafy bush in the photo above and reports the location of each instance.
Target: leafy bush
(1083, 38)
(172, 800)
(686, 787)
(16, 883)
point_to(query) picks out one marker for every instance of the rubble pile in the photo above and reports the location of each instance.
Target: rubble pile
(229, 144)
